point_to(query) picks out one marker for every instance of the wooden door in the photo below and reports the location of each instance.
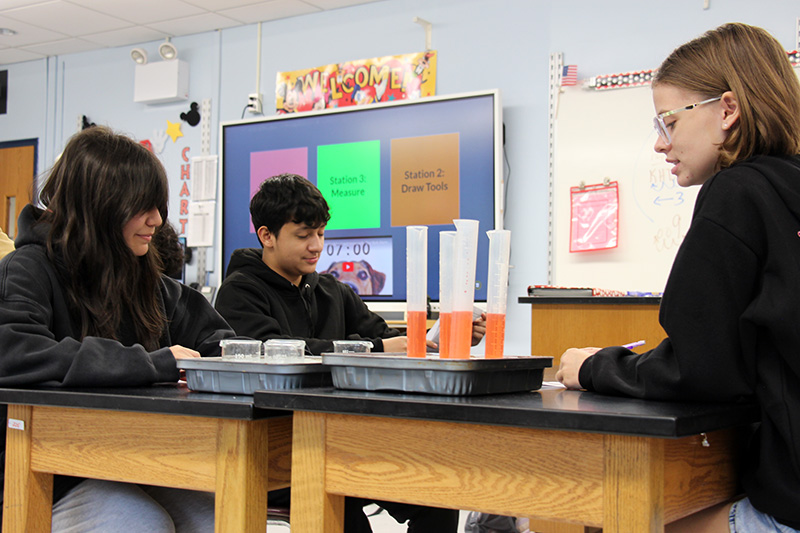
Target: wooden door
(17, 173)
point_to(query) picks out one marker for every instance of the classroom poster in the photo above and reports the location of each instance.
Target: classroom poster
(361, 82)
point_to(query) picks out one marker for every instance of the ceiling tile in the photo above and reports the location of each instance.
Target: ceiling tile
(11, 4)
(195, 24)
(26, 34)
(142, 11)
(219, 5)
(46, 25)
(273, 10)
(66, 46)
(126, 36)
(336, 4)
(67, 18)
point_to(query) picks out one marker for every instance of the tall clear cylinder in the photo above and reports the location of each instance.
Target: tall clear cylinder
(447, 243)
(497, 292)
(466, 251)
(417, 288)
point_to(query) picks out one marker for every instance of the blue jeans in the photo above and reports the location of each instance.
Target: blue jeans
(113, 507)
(744, 518)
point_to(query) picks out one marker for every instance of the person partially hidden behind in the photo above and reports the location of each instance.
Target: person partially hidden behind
(275, 292)
(728, 118)
(170, 251)
(6, 244)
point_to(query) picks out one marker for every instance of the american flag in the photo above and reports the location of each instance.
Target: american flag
(569, 76)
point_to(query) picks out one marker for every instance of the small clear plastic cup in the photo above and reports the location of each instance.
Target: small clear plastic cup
(240, 350)
(284, 351)
(352, 346)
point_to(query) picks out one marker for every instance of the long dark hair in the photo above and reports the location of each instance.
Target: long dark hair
(99, 183)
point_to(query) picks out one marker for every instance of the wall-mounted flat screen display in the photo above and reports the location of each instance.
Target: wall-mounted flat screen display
(381, 168)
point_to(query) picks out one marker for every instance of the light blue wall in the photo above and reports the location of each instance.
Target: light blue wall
(481, 44)
(26, 113)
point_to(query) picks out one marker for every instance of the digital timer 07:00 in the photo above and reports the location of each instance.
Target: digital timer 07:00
(339, 249)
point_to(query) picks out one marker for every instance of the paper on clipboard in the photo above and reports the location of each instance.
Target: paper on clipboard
(594, 217)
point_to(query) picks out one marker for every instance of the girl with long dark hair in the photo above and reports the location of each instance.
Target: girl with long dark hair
(83, 303)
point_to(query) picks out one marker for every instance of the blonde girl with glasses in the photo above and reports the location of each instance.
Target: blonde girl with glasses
(728, 117)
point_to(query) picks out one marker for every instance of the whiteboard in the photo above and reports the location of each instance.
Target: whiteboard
(601, 134)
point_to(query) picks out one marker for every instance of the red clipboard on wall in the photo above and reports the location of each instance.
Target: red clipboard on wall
(594, 213)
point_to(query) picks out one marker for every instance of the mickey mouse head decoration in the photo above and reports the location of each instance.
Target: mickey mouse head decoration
(193, 116)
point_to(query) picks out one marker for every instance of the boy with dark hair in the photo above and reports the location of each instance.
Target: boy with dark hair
(275, 292)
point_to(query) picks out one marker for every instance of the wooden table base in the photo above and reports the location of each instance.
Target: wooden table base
(617, 482)
(225, 456)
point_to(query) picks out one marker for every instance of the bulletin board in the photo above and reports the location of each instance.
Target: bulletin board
(607, 136)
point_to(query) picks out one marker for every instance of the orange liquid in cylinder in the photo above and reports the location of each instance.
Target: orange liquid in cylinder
(461, 335)
(416, 333)
(495, 335)
(445, 325)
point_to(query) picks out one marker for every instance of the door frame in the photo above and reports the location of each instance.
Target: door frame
(21, 143)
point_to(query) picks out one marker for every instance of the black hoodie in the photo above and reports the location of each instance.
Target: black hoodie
(260, 303)
(39, 337)
(731, 310)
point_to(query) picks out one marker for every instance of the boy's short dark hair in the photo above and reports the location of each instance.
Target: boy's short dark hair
(288, 198)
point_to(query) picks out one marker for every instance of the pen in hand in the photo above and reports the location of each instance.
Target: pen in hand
(631, 345)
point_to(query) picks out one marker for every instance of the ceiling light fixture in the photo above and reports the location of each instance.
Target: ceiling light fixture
(139, 56)
(167, 50)
(7, 31)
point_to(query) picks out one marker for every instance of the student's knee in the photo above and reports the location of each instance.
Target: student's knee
(714, 519)
(109, 507)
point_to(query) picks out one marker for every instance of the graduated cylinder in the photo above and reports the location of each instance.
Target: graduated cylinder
(497, 291)
(466, 251)
(417, 290)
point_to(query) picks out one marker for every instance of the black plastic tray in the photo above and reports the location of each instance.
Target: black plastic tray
(431, 375)
(212, 374)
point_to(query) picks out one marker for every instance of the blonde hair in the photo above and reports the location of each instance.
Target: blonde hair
(752, 64)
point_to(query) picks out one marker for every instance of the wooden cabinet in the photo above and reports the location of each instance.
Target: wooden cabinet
(561, 323)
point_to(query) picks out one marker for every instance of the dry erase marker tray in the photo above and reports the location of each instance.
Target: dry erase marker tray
(212, 374)
(431, 375)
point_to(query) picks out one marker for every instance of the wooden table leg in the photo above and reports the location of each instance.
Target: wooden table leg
(313, 509)
(28, 501)
(633, 492)
(241, 479)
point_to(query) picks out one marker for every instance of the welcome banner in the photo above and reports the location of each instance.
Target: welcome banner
(366, 81)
